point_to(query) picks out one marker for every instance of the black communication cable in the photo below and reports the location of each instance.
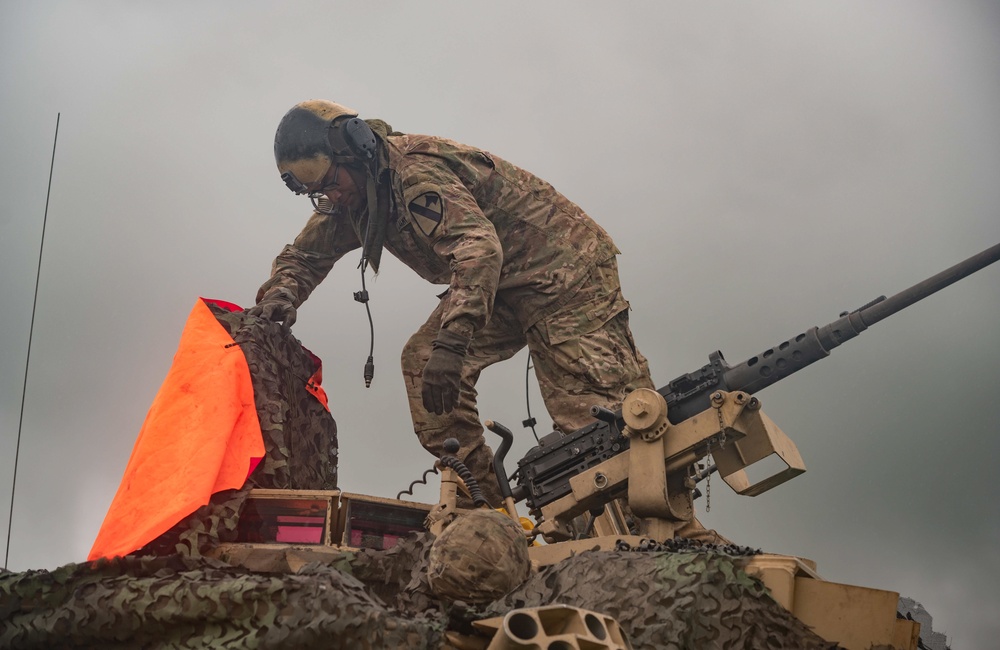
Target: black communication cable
(530, 422)
(362, 296)
(27, 361)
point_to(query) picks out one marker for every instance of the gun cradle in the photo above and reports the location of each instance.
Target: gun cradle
(655, 473)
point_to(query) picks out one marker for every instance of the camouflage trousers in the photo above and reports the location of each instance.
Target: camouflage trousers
(583, 355)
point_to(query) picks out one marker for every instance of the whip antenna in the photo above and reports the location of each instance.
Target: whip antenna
(27, 360)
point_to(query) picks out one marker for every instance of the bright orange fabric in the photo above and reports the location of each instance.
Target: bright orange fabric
(314, 388)
(201, 436)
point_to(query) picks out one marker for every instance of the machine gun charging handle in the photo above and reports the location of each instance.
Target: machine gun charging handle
(604, 415)
(507, 440)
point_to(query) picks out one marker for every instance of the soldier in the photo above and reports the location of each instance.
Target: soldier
(523, 265)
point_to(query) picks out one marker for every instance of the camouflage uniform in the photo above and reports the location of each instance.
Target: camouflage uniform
(523, 265)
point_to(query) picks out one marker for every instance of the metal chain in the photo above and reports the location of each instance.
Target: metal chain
(722, 429)
(708, 486)
(722, 444)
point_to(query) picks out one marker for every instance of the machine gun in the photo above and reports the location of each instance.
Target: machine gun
(647, 450)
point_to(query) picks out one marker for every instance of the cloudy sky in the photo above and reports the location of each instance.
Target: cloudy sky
(762, 166)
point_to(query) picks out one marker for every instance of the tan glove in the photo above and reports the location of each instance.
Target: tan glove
(442, 375)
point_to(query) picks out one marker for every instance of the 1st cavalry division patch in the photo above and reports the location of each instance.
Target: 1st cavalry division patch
(427, 210)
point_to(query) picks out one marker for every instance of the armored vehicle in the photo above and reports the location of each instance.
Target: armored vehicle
(609, 554)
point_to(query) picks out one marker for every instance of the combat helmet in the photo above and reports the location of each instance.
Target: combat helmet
(478, 558)
(316, 134)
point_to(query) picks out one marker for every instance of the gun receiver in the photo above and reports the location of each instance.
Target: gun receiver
(550, 471)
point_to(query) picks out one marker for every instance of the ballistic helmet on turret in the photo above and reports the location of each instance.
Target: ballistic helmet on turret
(478, 558)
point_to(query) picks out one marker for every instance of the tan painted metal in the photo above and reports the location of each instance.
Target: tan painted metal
(336, 527)
(655, 472)
(779, 572)
(763, 439)
(612, 521)
(857, 618)
(554, 626)
(444, 512)
(331, 509)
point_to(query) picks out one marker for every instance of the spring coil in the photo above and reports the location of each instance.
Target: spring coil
(464, 473)
(420, 481)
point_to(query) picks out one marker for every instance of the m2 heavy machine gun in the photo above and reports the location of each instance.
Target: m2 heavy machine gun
(646, 452)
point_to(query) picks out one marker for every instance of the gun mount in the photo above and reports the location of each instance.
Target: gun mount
(711, 410)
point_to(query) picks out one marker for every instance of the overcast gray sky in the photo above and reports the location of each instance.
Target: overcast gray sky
(762, 166)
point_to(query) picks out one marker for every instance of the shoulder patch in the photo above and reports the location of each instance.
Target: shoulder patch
(427, 210)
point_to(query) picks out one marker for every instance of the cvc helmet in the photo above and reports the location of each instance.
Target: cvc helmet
(316, 134)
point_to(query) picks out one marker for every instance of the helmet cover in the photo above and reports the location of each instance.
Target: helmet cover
(478, 558)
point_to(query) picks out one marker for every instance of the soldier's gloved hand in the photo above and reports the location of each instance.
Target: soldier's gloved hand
(443, 373)
(276, 305)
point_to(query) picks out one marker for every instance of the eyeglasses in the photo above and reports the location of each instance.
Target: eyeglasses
(318, 197)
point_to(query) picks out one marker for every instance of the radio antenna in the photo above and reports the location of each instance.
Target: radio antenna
(31, 329)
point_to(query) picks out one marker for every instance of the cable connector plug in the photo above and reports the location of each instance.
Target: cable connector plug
(369, 371)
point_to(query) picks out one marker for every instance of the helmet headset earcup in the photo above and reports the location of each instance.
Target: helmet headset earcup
(359, 137)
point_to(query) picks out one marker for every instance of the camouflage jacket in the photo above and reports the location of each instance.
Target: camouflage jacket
(466, 218)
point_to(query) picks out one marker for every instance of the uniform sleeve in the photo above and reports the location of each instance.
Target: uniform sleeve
(303, 264)
(446, 216)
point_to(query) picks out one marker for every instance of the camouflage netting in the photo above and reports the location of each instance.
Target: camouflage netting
(662, 600)
(668, 601)
(180, 602)
(399, 575)
(300, 435)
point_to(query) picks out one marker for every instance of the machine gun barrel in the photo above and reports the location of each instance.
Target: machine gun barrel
(921, 290)
(689, 394)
